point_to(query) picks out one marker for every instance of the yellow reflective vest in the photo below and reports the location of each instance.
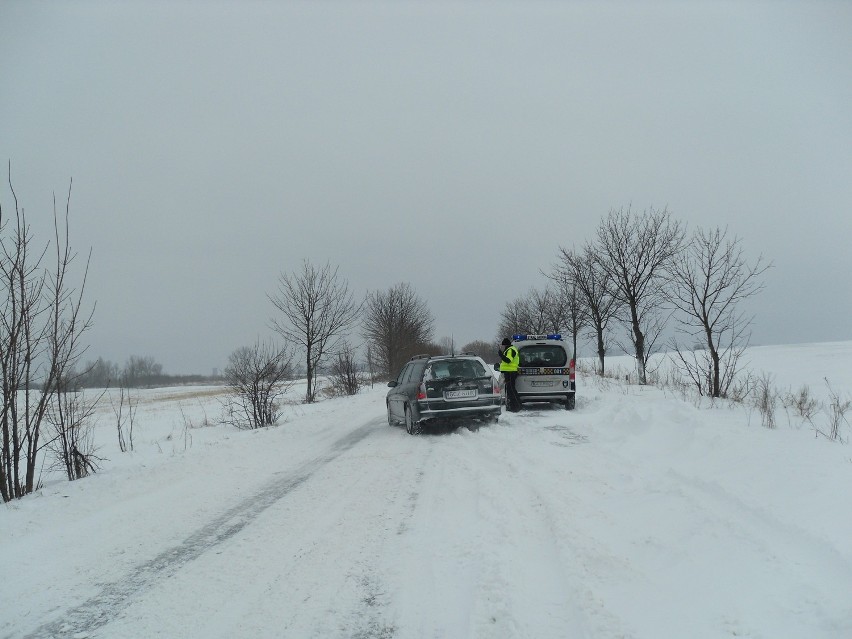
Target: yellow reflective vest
(514, 361)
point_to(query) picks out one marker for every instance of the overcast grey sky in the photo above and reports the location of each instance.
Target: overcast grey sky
(451, 145)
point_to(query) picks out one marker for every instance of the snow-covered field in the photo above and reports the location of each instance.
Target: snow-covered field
(636, 515)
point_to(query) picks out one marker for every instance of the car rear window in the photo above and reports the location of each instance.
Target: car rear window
(538, 355)
(465, 368)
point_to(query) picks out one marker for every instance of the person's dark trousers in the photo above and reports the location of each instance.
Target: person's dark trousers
(513, 402)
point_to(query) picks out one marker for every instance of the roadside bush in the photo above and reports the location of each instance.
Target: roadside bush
(802, 403)
(257, 376)
(837, 410)
(765, 397)
(345, 373)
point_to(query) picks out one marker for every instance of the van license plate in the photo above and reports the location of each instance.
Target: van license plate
(537, 383)
(460, 394)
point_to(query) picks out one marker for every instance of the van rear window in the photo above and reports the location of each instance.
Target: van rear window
(538, 355)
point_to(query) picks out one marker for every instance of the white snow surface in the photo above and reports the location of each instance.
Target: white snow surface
(638, 514)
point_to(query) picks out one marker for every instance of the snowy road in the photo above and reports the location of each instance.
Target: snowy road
(613, 520)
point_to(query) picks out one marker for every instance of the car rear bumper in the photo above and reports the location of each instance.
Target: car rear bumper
(460, 412)
(545, 397)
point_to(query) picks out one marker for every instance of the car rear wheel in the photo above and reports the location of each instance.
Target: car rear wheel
(410, 427)
(391, 421)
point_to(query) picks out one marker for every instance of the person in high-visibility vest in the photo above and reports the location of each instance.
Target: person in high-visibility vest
(510, 360)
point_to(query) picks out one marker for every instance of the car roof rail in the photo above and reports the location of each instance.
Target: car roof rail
(421, 356)
(469, 353)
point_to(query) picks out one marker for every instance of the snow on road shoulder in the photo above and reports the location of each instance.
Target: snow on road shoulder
(706, 525)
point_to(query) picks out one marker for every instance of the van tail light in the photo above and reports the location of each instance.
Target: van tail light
(572, 375)
(421, 391)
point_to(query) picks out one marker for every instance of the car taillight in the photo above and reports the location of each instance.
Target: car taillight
(421, 391)
(495, 387)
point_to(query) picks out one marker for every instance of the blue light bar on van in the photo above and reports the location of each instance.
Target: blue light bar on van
(521, 337)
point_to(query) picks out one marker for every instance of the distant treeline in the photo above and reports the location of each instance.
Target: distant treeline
(138, 372)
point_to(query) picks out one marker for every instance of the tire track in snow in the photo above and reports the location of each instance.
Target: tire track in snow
(541, 560)
(87, 617)
(482, 544)
(373, 624)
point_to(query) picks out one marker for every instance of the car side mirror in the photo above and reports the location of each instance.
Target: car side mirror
(392, 383)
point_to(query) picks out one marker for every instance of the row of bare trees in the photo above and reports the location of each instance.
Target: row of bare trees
(317, 311)
(137, 371)
(635, 274)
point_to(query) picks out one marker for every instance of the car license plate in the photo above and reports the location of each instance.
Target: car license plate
(541, 383)
(459, 394)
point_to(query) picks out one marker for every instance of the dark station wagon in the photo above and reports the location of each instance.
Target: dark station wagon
(446, 388)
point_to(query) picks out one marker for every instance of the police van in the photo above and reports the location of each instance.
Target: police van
(546, 372)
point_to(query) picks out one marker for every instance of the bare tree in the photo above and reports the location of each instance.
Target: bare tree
(709, 281)
(486, 350)
(594, 287)
(572, 310)
(396, 324)
(41, 324)
(257, 376)
(636, 252)
(539, 311)
(514, 318)
(316, 309)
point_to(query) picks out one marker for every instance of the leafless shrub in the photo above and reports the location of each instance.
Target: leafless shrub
(710, 378)
(184, 437)
(187, 428)
(837, 410)
(125, 414)
(345, 373)
(741, 388)
(603, 383)
(765, 396)
(585, 367)
(70, 419)
(257, 376)
(803, 404)
(190, 423)
(677, 383)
